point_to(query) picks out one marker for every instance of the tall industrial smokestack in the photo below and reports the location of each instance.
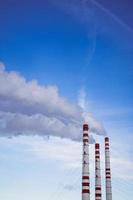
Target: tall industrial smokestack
(107, 170)
(85, 165)
(98, 194)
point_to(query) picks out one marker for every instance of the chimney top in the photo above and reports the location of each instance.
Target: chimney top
(106, 139)
(85, 127)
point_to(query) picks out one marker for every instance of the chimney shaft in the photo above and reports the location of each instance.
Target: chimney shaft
(98, 194)
(85, 165)
(107, 170)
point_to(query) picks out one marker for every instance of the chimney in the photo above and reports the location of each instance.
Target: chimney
(85, 165)
(98, 194)
(107, 170)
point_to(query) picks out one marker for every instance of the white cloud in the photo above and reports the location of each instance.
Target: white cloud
(29, 108)
(19, 95)
(13, 124)
(67, 153)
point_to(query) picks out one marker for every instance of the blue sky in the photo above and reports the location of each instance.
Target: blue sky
(68, 47)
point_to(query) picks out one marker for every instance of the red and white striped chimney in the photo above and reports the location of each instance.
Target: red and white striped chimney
(85, 165)
(98, 194)
(107, 170)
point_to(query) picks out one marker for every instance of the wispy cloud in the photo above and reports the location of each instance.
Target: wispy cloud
(94, 125)
(112, 15)
(70, 187)
(66, 156)
(84, 11)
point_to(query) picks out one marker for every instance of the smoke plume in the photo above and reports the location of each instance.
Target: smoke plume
(94, 125)
(31, 109)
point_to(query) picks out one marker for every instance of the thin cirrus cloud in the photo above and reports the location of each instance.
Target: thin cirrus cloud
(31, 109)
(84, 11)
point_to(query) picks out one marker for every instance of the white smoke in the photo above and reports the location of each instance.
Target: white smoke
(20, 96)
(94, 125)
(31, 109)
(2, 67)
